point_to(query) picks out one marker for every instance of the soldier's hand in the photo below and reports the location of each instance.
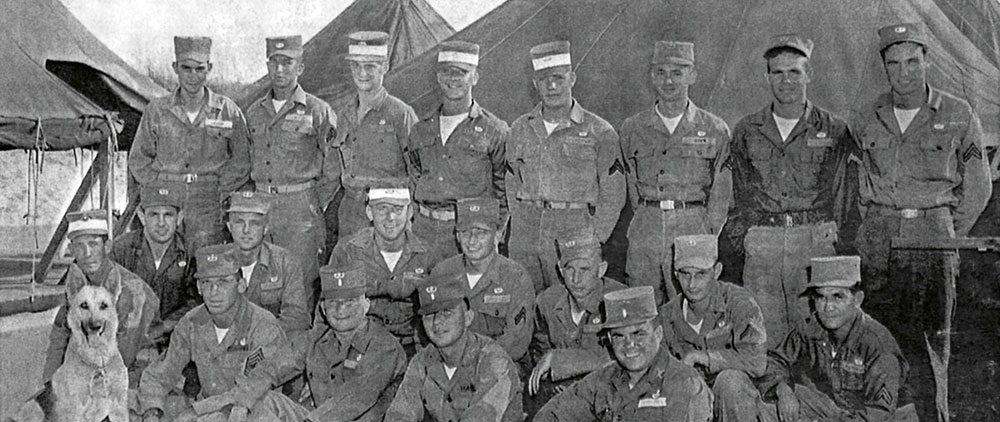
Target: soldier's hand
(696, 358)
(788, 404)
(238, 414)
(543, 368)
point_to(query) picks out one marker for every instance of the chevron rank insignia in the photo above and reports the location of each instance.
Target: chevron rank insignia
(971, 152)
(616, 167)
(252, 360)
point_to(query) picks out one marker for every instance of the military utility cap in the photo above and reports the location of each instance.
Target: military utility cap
(198, 49)
(550, 54)
(441, 291)
(459, 53)
(342, 281)
(477, 212)
(581, 245)
(834, 271)
(93, 222)
(630, 306)
(216, 261)
(290, 45)
(154, 195)
(794, 41)
(367, 46)
(397, 196)
(674, 52)
(914, 32)
(698, 251)
(249, 201)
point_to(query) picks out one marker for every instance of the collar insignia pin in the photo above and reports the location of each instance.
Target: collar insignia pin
(939, 126)
(624, 313)
(498, 290)
(821, 135)
(478, 129)
(701, 133)
(419, 270)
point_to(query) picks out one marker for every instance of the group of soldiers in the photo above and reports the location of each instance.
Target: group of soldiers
(417, 316)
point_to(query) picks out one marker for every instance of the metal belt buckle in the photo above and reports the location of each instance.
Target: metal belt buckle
(271, 189)
(788, 220)
(910, 213)
(190, 178)
(667, 205)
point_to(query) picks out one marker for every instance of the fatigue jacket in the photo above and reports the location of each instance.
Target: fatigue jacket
(579, 162)
(173, 281)
(136, 303)
(277, 285)
(732, 333)
(504, 301)
(292, 146)
(939, 161)
(668, 391)
(472, 163)
(371, 150)
(392, 293)
(485, 387)
(241, 365)
(576, 349)
(687, 165)
(862, 374)
(214, 145)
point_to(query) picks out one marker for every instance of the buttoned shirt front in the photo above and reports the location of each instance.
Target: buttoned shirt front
(277, 285)
(371, 149)
(172, 281)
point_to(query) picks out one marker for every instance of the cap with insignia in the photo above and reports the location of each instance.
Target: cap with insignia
(216, 261)
(247, 201)
(914, 32)
(549, 55)
(462, 54)
(793, 41)
(483, 213)
(630, 306)
(834, 271)
(342, 281)
(698, 251)
(290, 45)
(153, 195)
(581, 245)
(93, 222)
(198, 49)
(674, 52)
(441, 291)
(367, 46)
(396, 196)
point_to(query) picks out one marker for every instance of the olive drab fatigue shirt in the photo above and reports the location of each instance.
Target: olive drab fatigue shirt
(687, 165)
(173, 281)
(504, 301)
(371, 149)
(577, 349)
(292, 146)
(579, 162)
(668, 391)
(215, 144)
(732, 333)
(484, 387)
(862, 374)
(471, 164)
(938, 161)
(242, 364)
(277, 285)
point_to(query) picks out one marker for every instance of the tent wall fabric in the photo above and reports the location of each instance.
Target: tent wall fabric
(978, 20)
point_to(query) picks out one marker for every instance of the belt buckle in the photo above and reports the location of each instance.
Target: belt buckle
(788, 220)
(666, 205)
(190, 178)
(910, 213)
(271, 189)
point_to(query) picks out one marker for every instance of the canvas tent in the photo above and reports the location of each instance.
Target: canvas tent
(413, 27)
(978, 20)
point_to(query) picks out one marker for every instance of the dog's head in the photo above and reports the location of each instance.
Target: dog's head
(92, 313)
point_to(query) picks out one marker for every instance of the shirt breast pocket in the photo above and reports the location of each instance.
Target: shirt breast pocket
(936, 152)
(298, 128)
(582, 149)
(759, 150)
(270, 292)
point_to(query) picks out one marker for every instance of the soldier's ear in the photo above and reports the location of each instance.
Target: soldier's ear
(368, 212)
(141, 214)
(658, 332)
(859, 298)
(469, 316)
(602, 267)
(180, 217)
(365, 303)
(718, 270)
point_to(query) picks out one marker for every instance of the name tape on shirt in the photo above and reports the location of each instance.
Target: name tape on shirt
(305, 118)
(496, 299)
(697, 140)
(653, 402)
(819, 142)
(219, 124)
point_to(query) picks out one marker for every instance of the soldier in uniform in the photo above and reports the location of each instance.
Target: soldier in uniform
(372, 130)
(351, 365)
(273, 274)
(232, 342)
(291, 131)
(844, 365)
(566, 169)
(194, 141)
(457, 152)
(677, 180)
(500, 291)
(716, 327)
(396, 261)
(461, 375)
(645, 383)
(924, 174)
(787, 160)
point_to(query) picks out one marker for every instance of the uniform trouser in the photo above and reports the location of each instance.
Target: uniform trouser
(736, 397)
(202, 206)
(351, 215)
(533, 233)
(651, 246)
(816, 405)
(440, 234)
(179, 409)
(296, 223)
(775, 272)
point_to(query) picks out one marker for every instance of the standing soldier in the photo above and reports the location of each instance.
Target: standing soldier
(291, 130)
(786, 161)
(924, 174)
(372, 132)
(678, 184)
(194, 141)
(566, 168)
(457, 152)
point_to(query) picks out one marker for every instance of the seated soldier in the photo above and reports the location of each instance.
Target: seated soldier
(500, 290)
(231, 341)
(715, 327)
(645, 383)
(351, 366)
(461, 375)
(843, 365)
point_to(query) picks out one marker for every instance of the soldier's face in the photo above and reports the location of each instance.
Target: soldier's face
(445, 327)
(368, 76)
(456, 82)
(672, 81)
(583, 276)
(389, 219)
(220, 293)
(836, 306)
(345, 315)
(284, 71)
(192, 74)
(697, 283)
(478, 242)
(159, 223)
(788, 75)
(555, 86)
(247, 229)
(90, 252)
(906, 66)
(636, 345)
